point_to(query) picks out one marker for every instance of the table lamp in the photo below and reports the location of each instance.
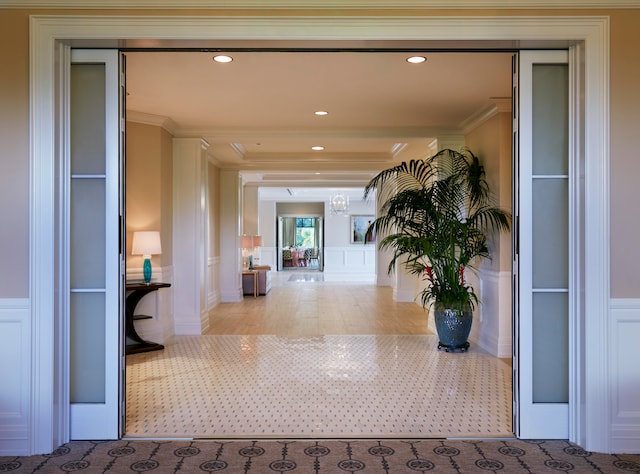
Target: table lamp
(146, 243)
(249, 243)
(257, 242)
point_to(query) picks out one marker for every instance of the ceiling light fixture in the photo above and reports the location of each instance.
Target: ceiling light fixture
(221, 58)
(317, 148)
(339, 204)
(321, 112)
(416, 59)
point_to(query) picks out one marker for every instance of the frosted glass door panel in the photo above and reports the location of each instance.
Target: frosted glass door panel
(550, 233)
(88, 147)
(542, 270)
(93, 245)
(87, 233)
(550, 351)
(550, 119)
(87, 348)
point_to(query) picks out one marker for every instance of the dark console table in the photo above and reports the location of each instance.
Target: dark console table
(134, 343)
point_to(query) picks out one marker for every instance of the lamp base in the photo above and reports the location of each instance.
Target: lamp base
(146, 270)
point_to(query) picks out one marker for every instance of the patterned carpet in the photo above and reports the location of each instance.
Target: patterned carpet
(323, 457)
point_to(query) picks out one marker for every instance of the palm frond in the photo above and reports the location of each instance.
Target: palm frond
(437, 213)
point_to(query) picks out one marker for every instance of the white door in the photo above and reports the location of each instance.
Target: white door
(543, 211)
(93, 238)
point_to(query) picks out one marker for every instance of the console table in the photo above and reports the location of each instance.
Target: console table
(256, 281)
(254, 275)
(133, 342)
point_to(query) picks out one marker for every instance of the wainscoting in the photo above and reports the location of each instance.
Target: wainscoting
(345, 259)
(350, 259)
(624, 382)
(15, 373)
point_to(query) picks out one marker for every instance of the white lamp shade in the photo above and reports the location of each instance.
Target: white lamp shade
(247, 241)
(146, 243)
(251, 241)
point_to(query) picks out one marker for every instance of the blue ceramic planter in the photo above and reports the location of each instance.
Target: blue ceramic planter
(453, 326)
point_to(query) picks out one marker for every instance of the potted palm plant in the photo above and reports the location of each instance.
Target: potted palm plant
(436, 215)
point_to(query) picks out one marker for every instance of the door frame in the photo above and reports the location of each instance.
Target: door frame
(51, 38)
(319, 238)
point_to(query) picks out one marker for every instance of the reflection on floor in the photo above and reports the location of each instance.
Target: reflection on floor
(325, 386)
(307, 277)
(316, 359)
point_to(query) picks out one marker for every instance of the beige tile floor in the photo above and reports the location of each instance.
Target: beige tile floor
(316, 359)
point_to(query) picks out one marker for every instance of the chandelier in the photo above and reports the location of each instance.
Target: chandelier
(339, 204)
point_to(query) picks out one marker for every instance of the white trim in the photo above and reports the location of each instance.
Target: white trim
(46, 30)
(594, 433)
(321, 4)
(150, 119)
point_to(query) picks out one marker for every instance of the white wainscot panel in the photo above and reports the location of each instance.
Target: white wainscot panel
(624, 335)
(266, 256)
(15, 370)
(350, 259)
(492, 328)
(157, 304)
(213, 282)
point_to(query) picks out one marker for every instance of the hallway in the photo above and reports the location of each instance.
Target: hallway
(317, 358)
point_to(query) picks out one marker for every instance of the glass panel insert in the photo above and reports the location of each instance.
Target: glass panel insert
(550, 348)
(550, 233)
(88, 147)
(550, 219)
(87, 348)
(550, 119)
(88, 233)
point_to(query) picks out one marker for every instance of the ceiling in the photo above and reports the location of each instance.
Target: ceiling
(257, 112)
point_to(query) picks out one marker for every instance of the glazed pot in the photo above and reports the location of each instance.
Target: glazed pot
(453, 327)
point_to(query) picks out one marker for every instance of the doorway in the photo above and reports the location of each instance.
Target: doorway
(295, 227)
(300, 243)
(595, 272)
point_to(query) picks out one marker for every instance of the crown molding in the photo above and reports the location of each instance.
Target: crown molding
(321, 4)
(155, 120)
(500, 105)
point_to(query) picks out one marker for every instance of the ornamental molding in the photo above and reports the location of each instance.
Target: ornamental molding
(321, 4)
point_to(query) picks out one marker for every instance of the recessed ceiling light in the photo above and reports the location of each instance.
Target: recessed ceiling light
(221, 58)
(416, 59)
(317, 148)
(321, 112)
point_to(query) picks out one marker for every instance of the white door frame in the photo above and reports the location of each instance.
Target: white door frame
(49, 40)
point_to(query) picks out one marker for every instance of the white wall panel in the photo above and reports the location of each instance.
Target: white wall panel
(350, 259)
(624, 335)
(15, 371)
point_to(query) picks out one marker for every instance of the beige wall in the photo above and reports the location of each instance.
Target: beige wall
(491, 142)
(625, 166)
(149, 188)
(14, 152)
(625, 157)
